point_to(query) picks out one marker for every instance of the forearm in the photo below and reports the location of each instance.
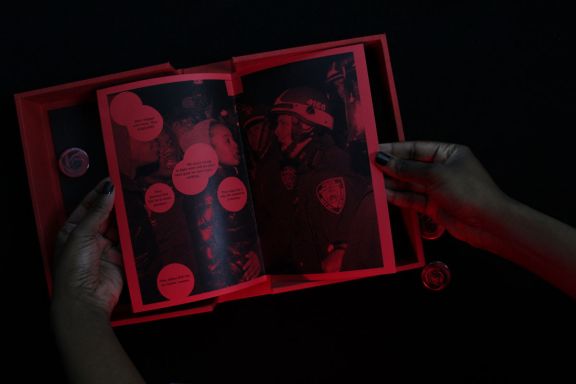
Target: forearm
(89, 348)
(537, 242)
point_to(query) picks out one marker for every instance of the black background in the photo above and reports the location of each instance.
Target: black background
(498, 78)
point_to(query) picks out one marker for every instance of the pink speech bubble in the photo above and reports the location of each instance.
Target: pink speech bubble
(124, 106)
(143, 121)
(191, 175)
(232, 194)
(175, 281)
(146, 124)
(159, 197)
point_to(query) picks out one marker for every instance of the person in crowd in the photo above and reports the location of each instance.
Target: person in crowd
(227, 240)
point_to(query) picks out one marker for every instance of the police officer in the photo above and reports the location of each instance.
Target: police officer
(327, 196)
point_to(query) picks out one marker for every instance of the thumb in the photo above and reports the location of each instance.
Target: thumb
(99, 212)
(405, 170)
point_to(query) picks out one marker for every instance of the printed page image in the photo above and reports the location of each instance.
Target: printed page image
(320, 203)
(185, 216)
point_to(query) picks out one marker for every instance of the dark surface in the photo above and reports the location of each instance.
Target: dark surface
(497, 78)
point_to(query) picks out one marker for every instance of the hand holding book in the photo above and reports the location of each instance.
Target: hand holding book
(88, 266)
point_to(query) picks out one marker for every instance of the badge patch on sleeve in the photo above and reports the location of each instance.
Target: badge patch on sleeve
(332, 194)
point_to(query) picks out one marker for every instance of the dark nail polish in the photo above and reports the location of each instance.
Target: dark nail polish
(107, 188)
(382, 158)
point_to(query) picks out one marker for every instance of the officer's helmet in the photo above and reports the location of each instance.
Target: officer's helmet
(306, 104)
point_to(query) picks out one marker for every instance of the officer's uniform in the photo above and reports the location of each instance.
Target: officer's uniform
(326, 202)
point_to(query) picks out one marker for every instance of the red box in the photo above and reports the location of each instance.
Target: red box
(53, 119)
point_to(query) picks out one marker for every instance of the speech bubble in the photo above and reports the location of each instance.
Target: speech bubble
(159, 198)
(232, 194)
(144, 122)
(175, 281)
(124, 106)
(191, 175)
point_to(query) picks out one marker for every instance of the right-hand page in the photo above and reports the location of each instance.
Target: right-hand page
(310, 134)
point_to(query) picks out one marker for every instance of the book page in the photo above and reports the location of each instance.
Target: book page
(184, 211)
(320, 202)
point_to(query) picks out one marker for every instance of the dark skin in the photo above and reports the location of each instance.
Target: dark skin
(443, 181)
(448, 183)
(87, 285)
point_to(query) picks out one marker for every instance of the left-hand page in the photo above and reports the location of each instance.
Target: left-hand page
(185, 215)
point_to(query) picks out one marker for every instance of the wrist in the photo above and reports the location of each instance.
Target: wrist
(500, 222)
(506, 214)
(493, 212)
(485, 222)
(71, 311)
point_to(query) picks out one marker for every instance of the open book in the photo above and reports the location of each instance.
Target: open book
(234, 179)
(248, 181)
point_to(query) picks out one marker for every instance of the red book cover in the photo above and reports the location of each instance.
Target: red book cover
(240, 178)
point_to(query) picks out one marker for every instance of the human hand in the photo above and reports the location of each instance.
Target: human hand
(445, 182)
(87, 269)
(333, 261)
(251, 267)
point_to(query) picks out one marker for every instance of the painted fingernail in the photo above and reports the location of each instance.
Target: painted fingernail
(382, 158)
(107, 188)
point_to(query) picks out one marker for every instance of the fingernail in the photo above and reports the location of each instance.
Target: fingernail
(107, 188)
(382, 158)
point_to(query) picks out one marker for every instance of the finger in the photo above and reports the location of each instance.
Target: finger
(112, 255)
(95, 219)
(426, 151)
(405, 170)
(246, 276)
(251, 256)
(403, 199)
(252, 266)
(252, 272)
(247, 264)
(84, 207)
(255, 268)
(79, 213)
(399, 185)
(64, 234)
(110, 231)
